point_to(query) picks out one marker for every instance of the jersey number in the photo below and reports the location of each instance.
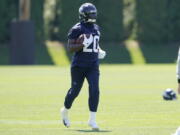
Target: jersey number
(95, 46)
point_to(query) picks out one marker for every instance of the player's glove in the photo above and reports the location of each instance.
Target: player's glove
(101, 54)
(87, 40)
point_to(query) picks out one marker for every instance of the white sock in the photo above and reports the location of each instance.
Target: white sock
(65, 109)
(92, 116)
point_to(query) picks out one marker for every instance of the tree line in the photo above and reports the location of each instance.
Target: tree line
(149, 21)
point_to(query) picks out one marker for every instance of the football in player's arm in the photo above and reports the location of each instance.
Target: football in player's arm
(83, 41)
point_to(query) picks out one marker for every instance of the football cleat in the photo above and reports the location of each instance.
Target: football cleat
(65, 119)
(93, 125)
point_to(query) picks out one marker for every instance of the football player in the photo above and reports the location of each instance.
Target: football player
(83, 40)
(178, 71)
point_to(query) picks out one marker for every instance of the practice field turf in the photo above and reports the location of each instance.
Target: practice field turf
(131, 101)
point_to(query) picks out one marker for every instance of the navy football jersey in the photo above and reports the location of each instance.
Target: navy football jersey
(88, 56)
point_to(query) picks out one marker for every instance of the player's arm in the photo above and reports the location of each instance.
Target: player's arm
(73, 46)
(73, 39)
(82, 41)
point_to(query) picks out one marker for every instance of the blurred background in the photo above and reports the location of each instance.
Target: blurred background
(133, 31)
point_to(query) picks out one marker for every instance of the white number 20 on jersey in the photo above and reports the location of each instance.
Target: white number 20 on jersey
(95, 45)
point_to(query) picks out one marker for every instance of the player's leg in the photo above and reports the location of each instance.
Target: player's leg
(93, 81)
(178, 89)
(77, 79)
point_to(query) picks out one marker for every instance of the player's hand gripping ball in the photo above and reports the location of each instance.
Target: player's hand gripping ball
(80, 40)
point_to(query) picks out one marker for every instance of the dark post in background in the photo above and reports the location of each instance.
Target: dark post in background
(22, 45)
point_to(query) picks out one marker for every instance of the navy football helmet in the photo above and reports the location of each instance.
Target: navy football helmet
(169, 94)
(87, 13)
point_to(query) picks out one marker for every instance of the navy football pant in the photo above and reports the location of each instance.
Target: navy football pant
(78, 74)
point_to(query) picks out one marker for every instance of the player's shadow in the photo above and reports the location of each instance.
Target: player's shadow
(88, 131)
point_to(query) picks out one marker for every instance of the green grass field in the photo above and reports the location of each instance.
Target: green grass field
(130, 104)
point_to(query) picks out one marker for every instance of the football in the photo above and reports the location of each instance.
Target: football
(80, 39)
(169, 94)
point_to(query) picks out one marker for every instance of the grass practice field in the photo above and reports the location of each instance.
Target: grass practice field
(131, 101)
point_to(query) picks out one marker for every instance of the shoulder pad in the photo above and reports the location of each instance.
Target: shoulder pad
(76, 26)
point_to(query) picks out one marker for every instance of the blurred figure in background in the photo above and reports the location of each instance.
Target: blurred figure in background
(178, 71)
(177, 131)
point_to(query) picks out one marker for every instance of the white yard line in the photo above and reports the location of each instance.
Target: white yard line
(27, 122)
(36, 122)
